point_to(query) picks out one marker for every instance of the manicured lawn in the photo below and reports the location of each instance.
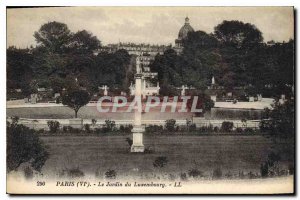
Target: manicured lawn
(205, 153)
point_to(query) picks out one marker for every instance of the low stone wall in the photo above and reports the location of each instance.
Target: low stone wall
(200, 122)
(234, 114)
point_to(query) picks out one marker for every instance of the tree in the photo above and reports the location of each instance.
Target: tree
(57, 84)
(81, 60)
(83, 42)
(113, 69)
(19, 72)
(53, 36)
(76, 99)
(238, 34)
(169, 68)
(280, 120)
(61, 53)
(202, 59)
(170, 125)
(240, 43)
(24, 145)
(199, 60)
(279, 123)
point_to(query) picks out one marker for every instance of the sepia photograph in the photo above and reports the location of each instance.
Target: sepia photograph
(150, 100)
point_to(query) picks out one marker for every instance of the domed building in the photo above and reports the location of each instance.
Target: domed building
(183, 32)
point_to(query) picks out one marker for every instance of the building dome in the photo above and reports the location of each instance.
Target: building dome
(185, 29)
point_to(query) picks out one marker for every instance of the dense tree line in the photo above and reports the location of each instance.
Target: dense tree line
(62, 59)
(235, 55)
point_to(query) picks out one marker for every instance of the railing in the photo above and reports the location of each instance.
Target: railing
(199, 122)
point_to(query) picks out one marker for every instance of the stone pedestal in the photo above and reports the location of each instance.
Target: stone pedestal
(137, 138)
(213, 98)
(251, 99)
(76, 123)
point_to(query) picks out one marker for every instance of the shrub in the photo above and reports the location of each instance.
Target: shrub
(154, 129)
(65, 129)
(121, 128)
(207, 129)
(251, 175)
(183, 176)
(126, 128)
(270, 167)
(94, 122)
(227, 126)
(110, 174)
(216, 129)
(70, 129)
(160, 162)
(87, 128)
(291, 169)
(195, 173)
(228, 175)
(273, 158)
(98, 130)
(172, 177)
(265, 125)
(239, 130)
(129, 141)
(72, 173)
(53, 126)
(217, 173)
(264, 170)
(41, 131)
(170, 124)
(15, 119)
(24, 145)
(109, 126)
(249, 130)
(281, 123)
(28, 172)
(192, 127)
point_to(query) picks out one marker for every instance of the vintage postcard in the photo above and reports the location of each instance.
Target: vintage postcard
(150, 100)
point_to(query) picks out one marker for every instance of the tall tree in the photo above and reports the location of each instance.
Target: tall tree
(202, 58)
(238, 34)
(237, 40)
(19, 71)
(54, 36)
(83, 42)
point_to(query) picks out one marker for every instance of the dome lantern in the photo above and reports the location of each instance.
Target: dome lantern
(187, 20)
(185, 29)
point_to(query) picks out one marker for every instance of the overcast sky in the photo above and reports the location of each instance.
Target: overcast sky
(155, 25)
